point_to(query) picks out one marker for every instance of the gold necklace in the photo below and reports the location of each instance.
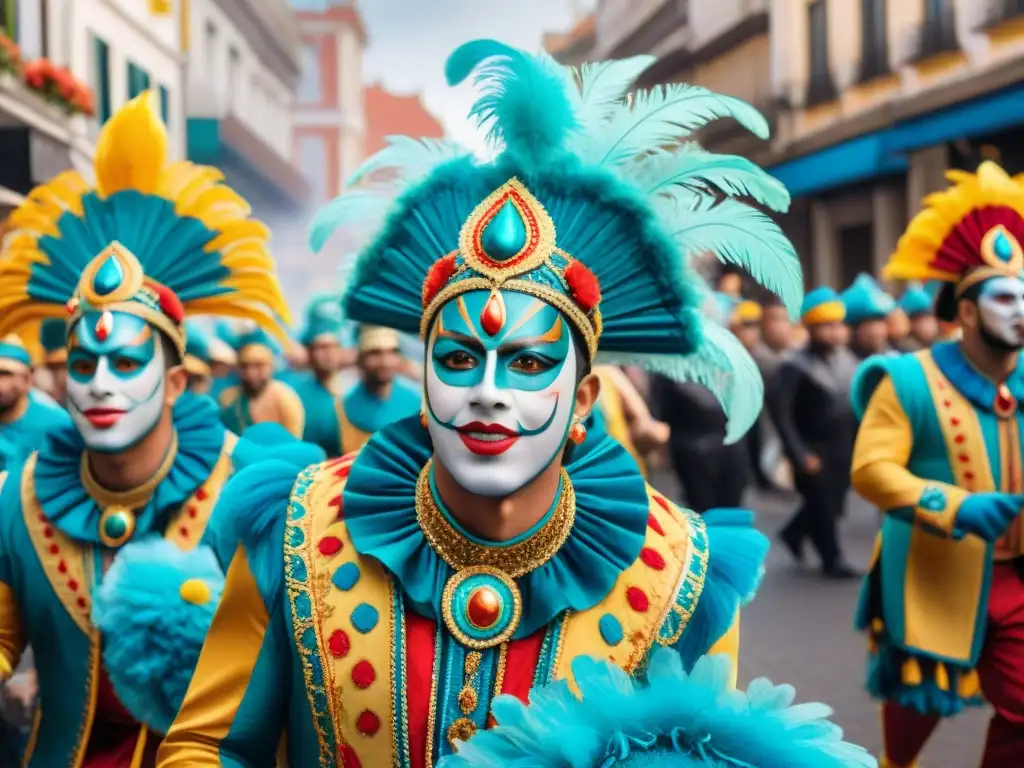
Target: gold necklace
(117, 522)
(517, 559)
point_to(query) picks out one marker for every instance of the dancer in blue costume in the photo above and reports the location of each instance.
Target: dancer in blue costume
(197, 359)
(919, 306)
(319, 387)
(867, 310)
(258, 397)
(25, 418)
(53, 340)
(223, 359)
(380, 601)
(123, 262)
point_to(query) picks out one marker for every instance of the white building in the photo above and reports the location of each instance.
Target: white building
(116, 47)
(243, 72)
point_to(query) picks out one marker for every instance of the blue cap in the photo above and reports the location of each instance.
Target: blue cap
(916, 301)
(865, 300)
(323, 318)
(12, 350)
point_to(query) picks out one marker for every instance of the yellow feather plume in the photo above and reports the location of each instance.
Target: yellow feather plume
(943, 212)
(132, 149)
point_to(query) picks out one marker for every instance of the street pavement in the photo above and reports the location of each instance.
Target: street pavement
(799, 631)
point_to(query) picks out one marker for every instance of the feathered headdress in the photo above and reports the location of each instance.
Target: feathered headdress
(967, 233)
(592, 204)
(155, 239)
(672, 718)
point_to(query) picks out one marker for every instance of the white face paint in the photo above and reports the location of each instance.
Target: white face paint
(499, 406)
(1001, 307)
(115, 384)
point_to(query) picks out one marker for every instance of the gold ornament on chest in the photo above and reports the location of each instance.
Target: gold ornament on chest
(117, 521)
(481, 603)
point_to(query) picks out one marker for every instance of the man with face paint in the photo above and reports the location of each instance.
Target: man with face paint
(259, 397)
(379, 602)
(319, 387)
(25, 421)
(939, 450)
(919, 307)
(122, 263)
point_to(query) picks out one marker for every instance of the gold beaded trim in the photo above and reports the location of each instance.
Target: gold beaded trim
(517, 559)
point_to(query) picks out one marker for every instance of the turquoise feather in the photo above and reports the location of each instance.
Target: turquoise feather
(691, 168)
(412, 158)
(740, 235)
(512, 86)
(672, 718)
(661, 116)
(603, 85)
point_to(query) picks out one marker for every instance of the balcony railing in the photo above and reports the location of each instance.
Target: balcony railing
(998, 11)
(874, 60)
(936, 35)
(821, 88)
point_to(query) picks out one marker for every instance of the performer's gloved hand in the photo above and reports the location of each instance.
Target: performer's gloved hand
(988, 515)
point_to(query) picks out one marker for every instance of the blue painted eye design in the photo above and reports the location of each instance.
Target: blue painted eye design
(531, 364)
(83, 367)
(126, 365)
(458, 361)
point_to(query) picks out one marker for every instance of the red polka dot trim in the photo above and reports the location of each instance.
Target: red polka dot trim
(62, 567)
(54, 549)
(964, 458)
(348, 757)
(968, 476)
(367, 723)
(955, 421)
(652, 558)
(47, 532)
(201, 494)
(82, 603)
(637, 599)
(183, 531)
(330, 545)
(338, 643)
(192, 511)
(654, 525)
(73, 585)
(363, 674)
(959, 439)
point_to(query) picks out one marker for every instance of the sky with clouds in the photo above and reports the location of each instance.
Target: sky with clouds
(410, 40)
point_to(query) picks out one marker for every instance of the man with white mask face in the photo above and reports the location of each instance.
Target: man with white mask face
(141, 462)
(477, 549)
(940, 451)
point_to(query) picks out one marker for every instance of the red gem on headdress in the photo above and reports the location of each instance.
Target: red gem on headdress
(492, 318)
(437, 277)
(583, 285)
(104, 326)
(170, 304)
(71, 305)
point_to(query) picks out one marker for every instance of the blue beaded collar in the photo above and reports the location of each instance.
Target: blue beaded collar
(69, 507)
(609, 531)
(969, 382)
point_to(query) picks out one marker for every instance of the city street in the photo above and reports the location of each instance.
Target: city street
(798, 631)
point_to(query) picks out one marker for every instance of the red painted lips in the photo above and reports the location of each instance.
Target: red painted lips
(103, 418)
(487, 439)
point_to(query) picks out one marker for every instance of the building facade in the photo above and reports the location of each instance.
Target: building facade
(109, 50)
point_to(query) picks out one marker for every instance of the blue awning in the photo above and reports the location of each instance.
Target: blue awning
(859, 159)
(884, 152)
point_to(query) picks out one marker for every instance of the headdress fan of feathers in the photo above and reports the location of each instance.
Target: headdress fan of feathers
(629, 197)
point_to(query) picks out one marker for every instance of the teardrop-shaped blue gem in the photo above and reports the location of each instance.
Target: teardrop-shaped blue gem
(1002, 247)
(108, 277)
(505, 235)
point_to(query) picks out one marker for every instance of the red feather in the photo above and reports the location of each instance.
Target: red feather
(440, 273)
(583, 285)
(961, 250)
(170, 304)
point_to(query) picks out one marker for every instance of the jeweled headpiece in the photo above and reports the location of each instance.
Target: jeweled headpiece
(154, 239)
(592, 204)
(967, 233)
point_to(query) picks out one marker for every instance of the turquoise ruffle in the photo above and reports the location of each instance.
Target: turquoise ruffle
(611, 523)
(65, 502)
(968, 381)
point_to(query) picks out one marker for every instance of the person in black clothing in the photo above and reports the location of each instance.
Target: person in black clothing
(813, 414)
(711, 473)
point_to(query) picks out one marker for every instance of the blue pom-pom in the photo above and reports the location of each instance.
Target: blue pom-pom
(153, 629)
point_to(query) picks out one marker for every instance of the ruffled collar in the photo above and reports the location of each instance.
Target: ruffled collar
(970, 382)
(606, 538)
(58, 482)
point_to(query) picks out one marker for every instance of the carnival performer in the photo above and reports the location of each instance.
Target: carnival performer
(867, 315)
(380, 601)
(939, 450)
(25, 418)
(52, 339)
(319, 387)
(197, 359)
(811, 409)
(259, 397)
(223, 359)
(124, 262)
(919, 307)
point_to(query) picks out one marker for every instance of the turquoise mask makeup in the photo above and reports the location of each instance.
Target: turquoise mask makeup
(1001, 307)
(116, 380)
(500, 389)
